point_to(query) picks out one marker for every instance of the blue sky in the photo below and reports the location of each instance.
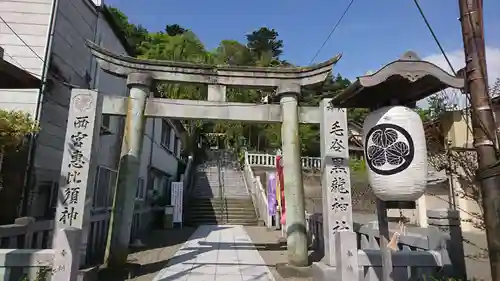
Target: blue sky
(373, 33)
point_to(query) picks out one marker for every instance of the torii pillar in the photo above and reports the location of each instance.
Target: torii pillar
(296, 233)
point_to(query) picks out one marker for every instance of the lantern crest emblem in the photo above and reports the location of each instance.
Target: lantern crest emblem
(389, 149)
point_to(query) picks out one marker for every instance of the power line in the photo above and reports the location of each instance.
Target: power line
(333, 30)
(431, 30)
(48, 97)
(436, 40)
(19, 37)
(53, 75)
(434, 36)
(69, 85)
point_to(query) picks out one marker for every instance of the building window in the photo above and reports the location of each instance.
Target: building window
(166, 130)
(160, 185)
(104, 188)
(54, 195)
(140, 193)
(106, 121)
(176, 146)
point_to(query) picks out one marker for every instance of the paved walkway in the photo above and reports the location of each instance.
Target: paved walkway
(217, 253)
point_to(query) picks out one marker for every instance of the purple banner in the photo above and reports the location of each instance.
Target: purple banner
(271, 193)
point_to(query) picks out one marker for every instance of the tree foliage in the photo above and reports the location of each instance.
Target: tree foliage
(14, 126)
(262, 48)
(135, 34)
(265, 42)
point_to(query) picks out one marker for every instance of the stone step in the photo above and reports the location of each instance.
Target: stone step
(216, 207)
(221, 218)
(216, 177)
(230, 216)
(221, 189)
(244, 202)
(210, 211)
(227, 182)
(221, 222)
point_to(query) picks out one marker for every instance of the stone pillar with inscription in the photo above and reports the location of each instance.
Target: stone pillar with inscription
(297, 245)
(78, 167)
(339, 238)
(128, 171)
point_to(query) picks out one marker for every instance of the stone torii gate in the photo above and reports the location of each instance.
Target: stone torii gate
(141, 75)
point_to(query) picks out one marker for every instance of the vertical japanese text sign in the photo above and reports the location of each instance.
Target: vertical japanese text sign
(73, 206)
(336, 182)
(176, 196)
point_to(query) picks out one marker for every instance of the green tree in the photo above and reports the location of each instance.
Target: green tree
(185, 47)
(14, 127)
(231, 52)
(174, 29)
(265, 42)
(263, 48)
(135, 34)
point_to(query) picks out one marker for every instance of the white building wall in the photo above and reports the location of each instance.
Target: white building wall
(19, 99)
(157, 157)
(71, 61)
(164, 158)
(28, 21)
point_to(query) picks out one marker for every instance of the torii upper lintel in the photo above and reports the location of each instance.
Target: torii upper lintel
(244, 76)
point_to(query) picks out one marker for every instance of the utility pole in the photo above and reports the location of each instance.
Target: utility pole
(483, 123)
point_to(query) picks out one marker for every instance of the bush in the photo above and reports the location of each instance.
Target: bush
(14, 126)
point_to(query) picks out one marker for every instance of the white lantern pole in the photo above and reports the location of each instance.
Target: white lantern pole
(383, 226)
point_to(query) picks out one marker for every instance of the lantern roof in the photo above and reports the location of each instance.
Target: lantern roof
(403, 81)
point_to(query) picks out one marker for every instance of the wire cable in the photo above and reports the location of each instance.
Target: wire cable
(332, 31)
(431, 30)
(434, 36)
(19, 37)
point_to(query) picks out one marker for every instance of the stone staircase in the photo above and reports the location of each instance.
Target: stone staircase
(221, 211)
(219, 195)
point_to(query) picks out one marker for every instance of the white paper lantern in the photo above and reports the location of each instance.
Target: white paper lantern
(395, 153)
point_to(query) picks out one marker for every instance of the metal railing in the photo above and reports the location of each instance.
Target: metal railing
(259, 197)
(269, 160)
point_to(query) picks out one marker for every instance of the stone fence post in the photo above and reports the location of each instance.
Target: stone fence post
(28, 222)
(447, 223)
(66, 254)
